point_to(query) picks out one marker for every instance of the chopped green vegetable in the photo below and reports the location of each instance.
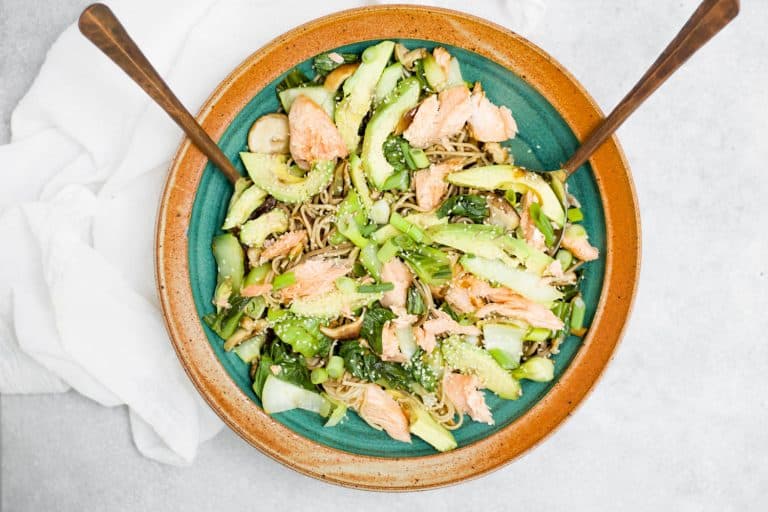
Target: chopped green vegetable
(537, 334)
(335, 367)
(327, 62)
(379, 211)
(565, 258)
(339, 411)
(279, 395)
(537, 368)
(225, 322)
(384, 233)
(293, 78)
(419, 158)
(412, 230)
(375, 288)
(257, 275)
(400, 180)
(575, 215)
(346, 285)
(431, 265)
(577, 314)
(388, 251)
(302, 334)
(415, 302)
(471, 206)
(505, 343)
(370, 260)
(318, 376)
(248, 351)
(283, 280)
(373, 322)
(542, 223)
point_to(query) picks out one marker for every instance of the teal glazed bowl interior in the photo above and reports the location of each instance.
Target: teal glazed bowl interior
(544, 141)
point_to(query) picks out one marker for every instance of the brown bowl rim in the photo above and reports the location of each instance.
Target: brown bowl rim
(613, 178)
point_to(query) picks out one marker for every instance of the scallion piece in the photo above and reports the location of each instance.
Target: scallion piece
(318, 376)
(419, 158)
(335, 367)
(388, 251)
(375, 288)
(565, 258)
(579, 309)
(575, 215)
(537, 334)
(410, 229)
(283, 280)
(370, 260)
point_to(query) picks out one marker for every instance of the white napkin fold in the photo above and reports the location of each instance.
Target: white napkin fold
(81, 181)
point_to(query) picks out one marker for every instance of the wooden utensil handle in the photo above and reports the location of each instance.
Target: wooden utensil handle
(708, 20)
(99, 24)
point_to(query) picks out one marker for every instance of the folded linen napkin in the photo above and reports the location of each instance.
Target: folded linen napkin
(81, 181)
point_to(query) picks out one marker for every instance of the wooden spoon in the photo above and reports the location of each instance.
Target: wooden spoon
(708, 20)
(99, 24)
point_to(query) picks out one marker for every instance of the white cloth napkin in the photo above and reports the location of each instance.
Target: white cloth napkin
(81, 180)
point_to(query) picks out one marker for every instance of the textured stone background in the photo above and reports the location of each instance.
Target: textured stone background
(679, 420)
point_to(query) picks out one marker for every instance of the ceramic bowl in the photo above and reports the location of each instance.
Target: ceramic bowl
(553, 112)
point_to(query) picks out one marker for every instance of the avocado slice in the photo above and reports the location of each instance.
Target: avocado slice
(469, 358)
(382, 123)
(265, 169)
(509, 177)
(527, 284)
(423, 425)
(242, 207)
(388, 81)
(318, 94)
(358, 92)
(505, 343)
(230, 260)
(254, 232)
(333, 304)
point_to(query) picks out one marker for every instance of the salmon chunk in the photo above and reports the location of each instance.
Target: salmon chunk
(382, 412)
(313, 135)
(283, 245)
(490, 123)
(520, 308)
(442, 324)
(463, 391)
(315, 276)
(430, 183)
(580, 247)
(439, 116)
(533, 235)
(396, 272)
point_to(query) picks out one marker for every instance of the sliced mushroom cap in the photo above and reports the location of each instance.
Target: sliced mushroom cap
(336, 77)
(408, 57)
(269, 134)
(501, 213)
(344, 332)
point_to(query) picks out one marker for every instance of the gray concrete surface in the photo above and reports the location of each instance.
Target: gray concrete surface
(678, 421)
